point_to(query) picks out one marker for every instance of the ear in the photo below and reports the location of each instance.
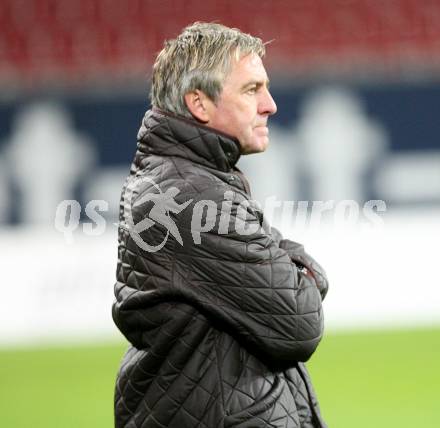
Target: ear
(199, 105)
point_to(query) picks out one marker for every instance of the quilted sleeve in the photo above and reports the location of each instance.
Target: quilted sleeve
(299, 256)
(245, 282)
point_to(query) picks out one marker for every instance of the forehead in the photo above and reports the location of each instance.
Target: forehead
(247, 68)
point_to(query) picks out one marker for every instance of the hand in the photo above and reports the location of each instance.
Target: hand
(298, 255)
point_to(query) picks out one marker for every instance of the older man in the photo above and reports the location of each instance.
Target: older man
(220, 310)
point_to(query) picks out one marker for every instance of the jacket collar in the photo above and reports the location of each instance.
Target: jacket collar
(166, 134)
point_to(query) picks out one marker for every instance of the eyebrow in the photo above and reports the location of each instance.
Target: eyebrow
(258, 83)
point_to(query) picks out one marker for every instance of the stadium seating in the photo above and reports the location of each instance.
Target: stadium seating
(77, 41)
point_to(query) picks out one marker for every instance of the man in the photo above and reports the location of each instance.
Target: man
(221, 312)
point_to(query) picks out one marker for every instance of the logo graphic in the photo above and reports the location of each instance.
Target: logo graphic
(234, 214)
(163, 205)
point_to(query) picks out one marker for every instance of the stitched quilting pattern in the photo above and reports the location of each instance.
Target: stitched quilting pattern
(217, 328)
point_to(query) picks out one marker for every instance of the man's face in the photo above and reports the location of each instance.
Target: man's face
(244, 105)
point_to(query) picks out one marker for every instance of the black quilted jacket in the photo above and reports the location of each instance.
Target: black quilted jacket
(220, 321)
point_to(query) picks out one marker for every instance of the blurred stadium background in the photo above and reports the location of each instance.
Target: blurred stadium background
(357, 83)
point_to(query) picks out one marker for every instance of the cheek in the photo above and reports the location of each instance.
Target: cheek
(246, 116)
(234, 120)
(237, 118)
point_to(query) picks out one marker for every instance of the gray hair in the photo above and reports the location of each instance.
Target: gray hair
(199, 58)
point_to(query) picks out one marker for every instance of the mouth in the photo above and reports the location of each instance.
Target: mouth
(262, 128)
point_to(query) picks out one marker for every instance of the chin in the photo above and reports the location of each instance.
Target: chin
(253, 150)
(254, 146)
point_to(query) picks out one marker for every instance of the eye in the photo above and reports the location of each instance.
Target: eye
(252, 90)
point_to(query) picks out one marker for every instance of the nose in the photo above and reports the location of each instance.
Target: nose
(267, 104)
